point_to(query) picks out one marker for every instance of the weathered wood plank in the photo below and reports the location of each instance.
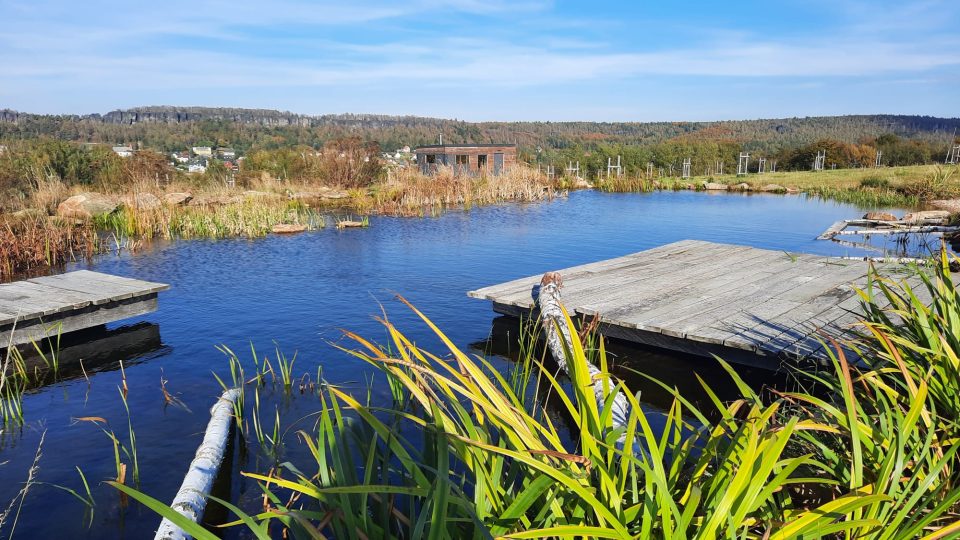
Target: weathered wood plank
(635, 260)
(608, 292)
(104, 285)
(582, 283)
(733, 311)
(809, 298)
(679, 297)
(833, 230)
(72, 301)
(38, 329)
(710, 298)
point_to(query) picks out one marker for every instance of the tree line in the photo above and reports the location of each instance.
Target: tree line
(713, 157)
(168, 129)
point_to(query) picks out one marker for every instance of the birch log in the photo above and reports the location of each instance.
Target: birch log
(191, 499)
(892, 260)
(901, 230)
(557, 333)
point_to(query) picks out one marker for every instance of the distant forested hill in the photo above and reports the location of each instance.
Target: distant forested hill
(174, 128)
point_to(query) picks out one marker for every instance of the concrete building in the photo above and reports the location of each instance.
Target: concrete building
(471, 159)
(123, 151)
(203, 151)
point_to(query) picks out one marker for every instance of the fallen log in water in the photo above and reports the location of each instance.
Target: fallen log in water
(559, 340)
(191, 499)
(897, 260)
(902, 230)
(872, 226)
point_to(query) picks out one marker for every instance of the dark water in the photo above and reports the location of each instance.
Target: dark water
(300, 290)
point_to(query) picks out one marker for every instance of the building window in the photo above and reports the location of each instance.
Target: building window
(431, 158)
(463, 159)
(482, 162)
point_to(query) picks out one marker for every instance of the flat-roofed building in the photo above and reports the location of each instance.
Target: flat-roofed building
(471, 159)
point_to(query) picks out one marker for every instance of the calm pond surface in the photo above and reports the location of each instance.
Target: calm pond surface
(298, 291)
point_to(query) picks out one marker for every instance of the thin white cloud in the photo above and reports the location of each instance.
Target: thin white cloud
(464, 61)
(138, 48)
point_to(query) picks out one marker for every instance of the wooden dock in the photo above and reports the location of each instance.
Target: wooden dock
(746, 305)
(42, 307)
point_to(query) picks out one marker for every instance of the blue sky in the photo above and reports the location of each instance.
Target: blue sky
(486, 59)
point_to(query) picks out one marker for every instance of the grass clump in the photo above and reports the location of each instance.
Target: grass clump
(937, 184)
(875, 182)
(625, 184)
(242, 218)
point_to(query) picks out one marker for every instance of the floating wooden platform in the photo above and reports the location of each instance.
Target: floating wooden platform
(746, 305)
(45, 306)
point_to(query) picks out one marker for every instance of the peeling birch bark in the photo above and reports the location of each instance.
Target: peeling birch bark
(191, 499)
(557, 333)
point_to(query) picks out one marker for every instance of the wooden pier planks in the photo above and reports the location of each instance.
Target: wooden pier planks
(41, 307)
(707, 298)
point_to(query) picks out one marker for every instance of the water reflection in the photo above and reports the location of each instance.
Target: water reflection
(648, 371)
(81, 354)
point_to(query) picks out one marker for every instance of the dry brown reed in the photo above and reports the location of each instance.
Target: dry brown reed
(409, 192)
(48, 193)
(29, 243)
(35, 240)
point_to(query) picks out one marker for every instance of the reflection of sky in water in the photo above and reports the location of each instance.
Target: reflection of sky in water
(301, 290)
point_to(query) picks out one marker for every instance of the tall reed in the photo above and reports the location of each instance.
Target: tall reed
(872, 457)
(36, 242)
(409, 192)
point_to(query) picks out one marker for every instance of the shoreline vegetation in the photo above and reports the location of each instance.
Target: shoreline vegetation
(865, 450)
(66, 202)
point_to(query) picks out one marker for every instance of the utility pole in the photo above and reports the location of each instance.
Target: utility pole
(686, 169)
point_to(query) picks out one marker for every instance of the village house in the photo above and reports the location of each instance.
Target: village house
(198, 168)
(123, 151)
(202, 151)
(469, 159)
(227, 153)
(181, 157)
